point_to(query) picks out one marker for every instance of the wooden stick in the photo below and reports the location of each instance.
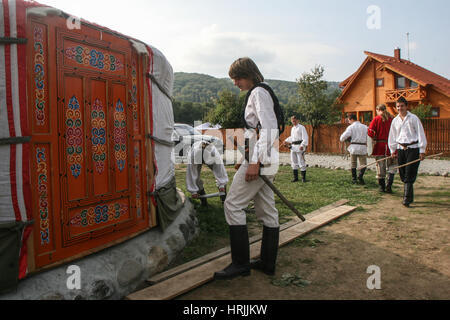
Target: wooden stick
(270, 184)
(368, 165)
(417, 160)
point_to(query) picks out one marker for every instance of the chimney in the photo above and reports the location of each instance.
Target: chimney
(397, 53)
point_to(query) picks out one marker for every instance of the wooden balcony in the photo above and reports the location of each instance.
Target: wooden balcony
(410, 94)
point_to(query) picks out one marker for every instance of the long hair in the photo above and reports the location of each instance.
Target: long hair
(245, 68)
(386, 115)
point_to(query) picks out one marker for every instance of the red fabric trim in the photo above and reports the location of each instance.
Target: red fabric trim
(9, 107)
(22, 63)
(23, 259)
(149, 88)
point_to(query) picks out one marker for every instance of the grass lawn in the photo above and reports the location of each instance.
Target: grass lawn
(323, 187)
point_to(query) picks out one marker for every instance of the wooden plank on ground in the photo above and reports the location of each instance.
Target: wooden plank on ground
(202, 274)
(219, 253)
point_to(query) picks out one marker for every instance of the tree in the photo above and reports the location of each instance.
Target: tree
(188, 112)
(228, 111)
(316, 104)
(422, 111)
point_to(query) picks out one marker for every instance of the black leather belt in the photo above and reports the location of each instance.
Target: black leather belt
(359, 143)
(406, 145)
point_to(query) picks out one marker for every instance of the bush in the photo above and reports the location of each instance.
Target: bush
(422, 111)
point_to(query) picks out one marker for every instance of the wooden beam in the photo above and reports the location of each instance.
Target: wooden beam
(219, 253)
(202, 274)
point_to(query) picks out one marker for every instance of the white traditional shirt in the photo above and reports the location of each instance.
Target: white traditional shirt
(260, 109)
(405, 131)
(298, 133)
(209, 156)
(358, 133)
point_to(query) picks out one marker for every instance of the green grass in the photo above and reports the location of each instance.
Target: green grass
(323, 187)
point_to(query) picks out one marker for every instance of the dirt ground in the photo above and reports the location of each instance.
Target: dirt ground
(409, 245)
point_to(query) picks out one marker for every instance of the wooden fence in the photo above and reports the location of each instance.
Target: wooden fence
(326, 137)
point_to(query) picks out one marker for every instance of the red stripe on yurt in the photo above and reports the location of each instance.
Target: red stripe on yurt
(9, 103)
(23, 261)
(26, 181)
(9, 107)
(21, 56)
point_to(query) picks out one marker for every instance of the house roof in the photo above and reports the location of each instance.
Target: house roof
(407, 69)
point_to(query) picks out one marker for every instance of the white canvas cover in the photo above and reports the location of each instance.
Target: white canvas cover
(163, 119)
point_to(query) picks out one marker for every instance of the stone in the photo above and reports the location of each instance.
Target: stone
(101, 290)
(129, 272)
(158, 259)
(52, 296)
(175, 243)
(185, 231)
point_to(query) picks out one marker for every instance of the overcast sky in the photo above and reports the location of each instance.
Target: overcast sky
(284, 37)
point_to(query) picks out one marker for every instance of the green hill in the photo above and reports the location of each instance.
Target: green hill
(195, 87)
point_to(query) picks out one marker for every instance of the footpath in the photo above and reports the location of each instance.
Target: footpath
(428, 166)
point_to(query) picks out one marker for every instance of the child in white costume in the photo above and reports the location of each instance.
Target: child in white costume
(203, 152)
(297, 142)
(247, 185)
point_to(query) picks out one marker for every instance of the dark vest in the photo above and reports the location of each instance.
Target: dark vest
(276, 105)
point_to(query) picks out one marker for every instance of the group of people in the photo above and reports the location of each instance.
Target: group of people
(398, 143)
(401, 139)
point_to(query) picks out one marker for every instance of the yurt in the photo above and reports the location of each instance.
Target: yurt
(85, 143)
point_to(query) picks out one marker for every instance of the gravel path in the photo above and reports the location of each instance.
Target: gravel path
(428, 166)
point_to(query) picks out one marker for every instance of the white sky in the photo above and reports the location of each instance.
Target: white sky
(284, 37)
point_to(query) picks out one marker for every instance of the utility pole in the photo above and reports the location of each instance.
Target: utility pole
(407, 42)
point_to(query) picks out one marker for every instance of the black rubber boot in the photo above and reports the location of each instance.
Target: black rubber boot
(360, 176)
(240, 255)
(303, 176)
(269, 250)
(382, 184)
(411, 193)
(295, 172)
(222, 198)
(408, 194)
(390, 182)
(354, 181)
(204, 201)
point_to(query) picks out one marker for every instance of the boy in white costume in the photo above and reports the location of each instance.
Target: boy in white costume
(297, 142)
(203, 152)
(407, 142)
(356, 133)
(247, 184)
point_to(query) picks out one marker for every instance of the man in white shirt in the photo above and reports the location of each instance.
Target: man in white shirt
(203, 152)
(356, 133)
(247, 185)
(407, 142)
(297, 142)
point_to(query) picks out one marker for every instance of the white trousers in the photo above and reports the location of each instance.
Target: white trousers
(298, 160)
(193, 182)
(242, 192)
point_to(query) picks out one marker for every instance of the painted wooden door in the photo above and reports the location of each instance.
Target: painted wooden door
(86, 107)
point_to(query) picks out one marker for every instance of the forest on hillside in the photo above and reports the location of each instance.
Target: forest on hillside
(195, 95)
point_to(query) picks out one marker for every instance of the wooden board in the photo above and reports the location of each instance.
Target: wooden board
(219, 253)
(202, 274)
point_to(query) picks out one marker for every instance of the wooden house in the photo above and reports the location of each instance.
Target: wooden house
(383, 79)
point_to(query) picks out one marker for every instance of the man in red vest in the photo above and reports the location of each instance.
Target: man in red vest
(379, 132)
